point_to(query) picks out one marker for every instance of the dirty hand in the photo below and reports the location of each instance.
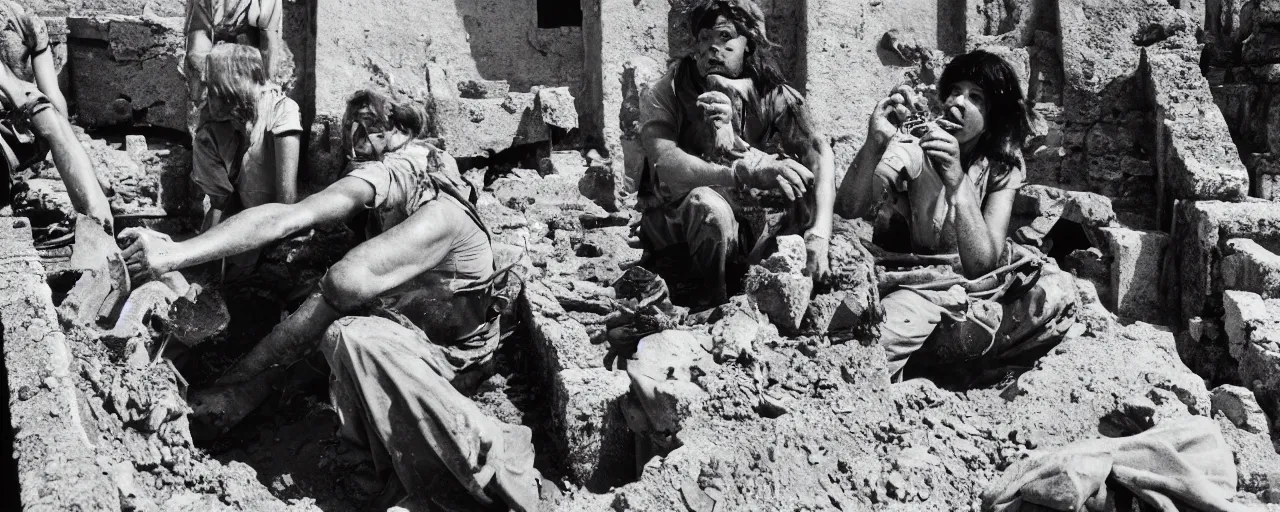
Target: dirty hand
(817, 262)
(891, 112)
(150, 254)
(785, 174)
(716, 107)
(942, 148)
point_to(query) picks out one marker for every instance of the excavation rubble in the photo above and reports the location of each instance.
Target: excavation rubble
(1152, 180)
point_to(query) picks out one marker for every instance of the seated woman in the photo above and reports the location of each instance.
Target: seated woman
(246, 154)
(953, 189)
(407, 320)
(34, 114)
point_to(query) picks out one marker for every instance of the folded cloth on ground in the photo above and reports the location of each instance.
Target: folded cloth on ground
(1179, 465)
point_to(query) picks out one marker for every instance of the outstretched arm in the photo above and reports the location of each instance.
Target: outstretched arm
(69, 156)
(393, 258)
(153, 255)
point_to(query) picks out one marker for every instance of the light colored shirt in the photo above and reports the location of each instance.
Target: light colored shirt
(228, 161)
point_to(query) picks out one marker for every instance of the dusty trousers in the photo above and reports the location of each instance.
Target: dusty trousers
(395, 394)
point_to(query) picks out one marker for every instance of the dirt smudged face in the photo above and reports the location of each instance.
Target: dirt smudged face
(721, 49)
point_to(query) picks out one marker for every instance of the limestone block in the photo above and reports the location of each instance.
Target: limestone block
(52, 452)
(560, 341)
(601, 185)
(1200, 237)
(780, 288)
(562, 162)
(1241, 407)
(1195, 156)
(483, 89)
(479, 128)
(127, 71)
(555, 106)
(1135, 272)
(523, 188)
(598, 448)
(664, 374)
(1247, 266)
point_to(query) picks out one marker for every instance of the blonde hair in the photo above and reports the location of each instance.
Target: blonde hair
(235, 74)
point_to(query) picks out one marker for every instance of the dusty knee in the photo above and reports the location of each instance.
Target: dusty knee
(711, 210)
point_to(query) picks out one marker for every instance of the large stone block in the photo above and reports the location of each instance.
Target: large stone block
(1200, 235)
(1264, 175)
(1135, 272)
(1195, 155)
(1244, 106)
(54, 456)
(598, 449)
(1252, 326)
(126, 71)
(1249, 267)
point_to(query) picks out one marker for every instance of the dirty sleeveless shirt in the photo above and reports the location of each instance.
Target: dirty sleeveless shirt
(451, 302)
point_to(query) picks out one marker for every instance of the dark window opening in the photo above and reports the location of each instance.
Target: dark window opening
(559, 13)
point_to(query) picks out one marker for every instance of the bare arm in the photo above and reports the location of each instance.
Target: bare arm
(47, 80)
(248, 230)
(677, 168)
(272, 23)
(980, 234)
(860, 188)
(287, 148)
(198, 45)
(401, 253)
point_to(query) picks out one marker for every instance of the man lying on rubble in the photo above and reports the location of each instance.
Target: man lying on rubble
(407, 320)
(703, 153)
(35, 114)
(947, 186)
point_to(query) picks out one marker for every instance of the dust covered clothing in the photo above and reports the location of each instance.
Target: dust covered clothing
(237, 170)
(397, 373)
(713, 221)
(23, 36)
(1026, 304)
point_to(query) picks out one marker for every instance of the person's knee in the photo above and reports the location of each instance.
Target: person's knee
(712, 211)
(346, 286)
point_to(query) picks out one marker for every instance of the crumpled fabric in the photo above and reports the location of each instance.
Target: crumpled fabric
(644, 308)
(1179, 465)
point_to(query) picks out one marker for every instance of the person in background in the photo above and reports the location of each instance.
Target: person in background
(721, 121)
(34, 115)
(256, 23)
(947, 190)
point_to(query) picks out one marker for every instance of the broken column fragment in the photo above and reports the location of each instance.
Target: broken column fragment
(126, 71)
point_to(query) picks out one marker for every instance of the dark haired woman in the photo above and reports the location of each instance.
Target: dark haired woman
(953, 190)
(690, 186)
(406, 320)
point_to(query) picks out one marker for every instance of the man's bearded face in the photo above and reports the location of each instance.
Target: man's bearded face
(721, 49)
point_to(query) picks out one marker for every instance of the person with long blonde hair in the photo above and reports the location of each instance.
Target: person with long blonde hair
(246, 153)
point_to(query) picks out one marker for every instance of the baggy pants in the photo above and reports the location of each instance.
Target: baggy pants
(394, 393)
